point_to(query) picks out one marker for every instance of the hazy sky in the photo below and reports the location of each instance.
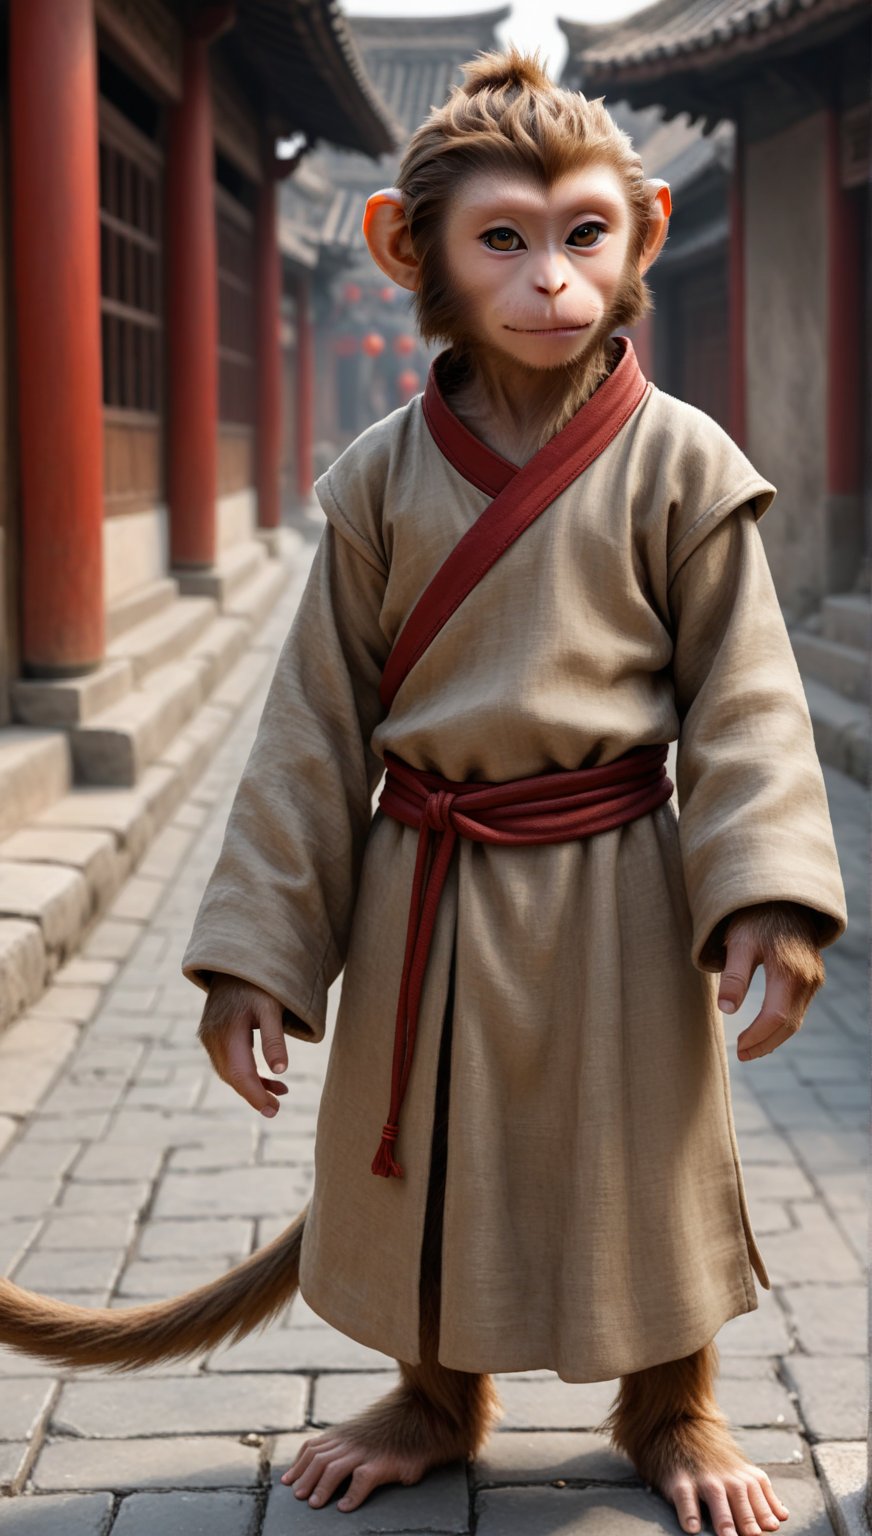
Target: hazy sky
(531, 23)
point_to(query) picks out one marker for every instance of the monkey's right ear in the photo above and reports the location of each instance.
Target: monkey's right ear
(386, 232)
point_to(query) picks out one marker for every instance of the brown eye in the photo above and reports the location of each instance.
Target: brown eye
(586, 230)
(498, 240)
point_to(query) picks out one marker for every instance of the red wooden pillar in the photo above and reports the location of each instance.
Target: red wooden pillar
(192, 317)
(846, 535)
(844, 324)
(305, 424)
(736, 280)
(56, 257)
(269, 358)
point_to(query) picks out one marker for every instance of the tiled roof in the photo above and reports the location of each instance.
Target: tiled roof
(307, 72)
(690, 34)
(413, 63)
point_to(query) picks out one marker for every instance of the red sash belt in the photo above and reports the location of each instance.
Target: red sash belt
(548, 808)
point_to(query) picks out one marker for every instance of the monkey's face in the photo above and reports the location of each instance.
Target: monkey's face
(538, 270)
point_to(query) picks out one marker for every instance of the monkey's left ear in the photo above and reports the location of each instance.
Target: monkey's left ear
(386, 232)
(658, 224)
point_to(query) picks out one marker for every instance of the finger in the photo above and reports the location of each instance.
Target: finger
(273, 1085)
(741, 962)
(268, 1014)
(768, 1045)
(781, 1011)
(241, 1075)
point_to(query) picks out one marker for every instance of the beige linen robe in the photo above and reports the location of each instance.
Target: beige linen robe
(595, 1216)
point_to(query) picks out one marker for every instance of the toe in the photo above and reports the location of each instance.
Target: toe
(308, 1450)
(686, 1505)
(334, 1473)
(775, 1503)
(744, 1518)
(309, 1479)
(363, 1481)
(715, 1495)
(766, 1516)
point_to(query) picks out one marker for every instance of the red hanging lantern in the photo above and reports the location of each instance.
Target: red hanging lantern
(373, 344)
(352, 293)
(408, 383)
(404, 346)
(387, 294)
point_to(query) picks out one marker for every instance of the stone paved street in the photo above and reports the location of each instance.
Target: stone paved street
(127, 1171)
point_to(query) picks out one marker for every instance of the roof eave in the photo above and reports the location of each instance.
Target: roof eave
(695, 57)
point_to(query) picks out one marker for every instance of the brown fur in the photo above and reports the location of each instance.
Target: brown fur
(227, 1308)
(666, 1417)
(507, 115)
(786, 934)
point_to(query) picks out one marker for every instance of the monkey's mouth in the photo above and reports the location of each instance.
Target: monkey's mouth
(548, 330)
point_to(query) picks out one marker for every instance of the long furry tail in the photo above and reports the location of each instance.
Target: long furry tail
(227, 1308)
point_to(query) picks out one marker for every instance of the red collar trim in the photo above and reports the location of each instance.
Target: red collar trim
(489, 471)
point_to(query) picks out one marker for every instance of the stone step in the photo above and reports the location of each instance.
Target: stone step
(138, 606)
(70, 700)
(118, 744)
(24, 966)
(35, 770)
(842, 730)
(254, 600)
(233, 569)
(220, 647)
(846, 618)
(103, 862)
(52, 895)
(66, 847)
(164, 637)
(842, 667)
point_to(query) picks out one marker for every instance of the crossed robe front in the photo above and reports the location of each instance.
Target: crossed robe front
(595, 1217)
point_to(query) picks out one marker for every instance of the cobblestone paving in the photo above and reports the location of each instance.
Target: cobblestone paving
(127, 1171)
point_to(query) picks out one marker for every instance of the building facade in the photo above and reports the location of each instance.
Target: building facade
(142, 417)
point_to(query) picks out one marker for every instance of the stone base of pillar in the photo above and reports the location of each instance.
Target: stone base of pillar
(39, 671)
(270, 538)
(846, 541)
(234, 568)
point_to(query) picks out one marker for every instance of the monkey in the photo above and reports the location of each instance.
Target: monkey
(514, 387)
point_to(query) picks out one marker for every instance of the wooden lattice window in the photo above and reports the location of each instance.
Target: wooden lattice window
(235, 310)
(131, 260)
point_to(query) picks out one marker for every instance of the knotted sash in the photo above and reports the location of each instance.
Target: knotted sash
(546, 808)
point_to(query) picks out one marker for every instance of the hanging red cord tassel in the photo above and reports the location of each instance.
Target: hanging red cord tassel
(427, 883)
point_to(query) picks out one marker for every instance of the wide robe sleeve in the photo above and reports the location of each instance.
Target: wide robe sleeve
(754, 823)
(277, 909)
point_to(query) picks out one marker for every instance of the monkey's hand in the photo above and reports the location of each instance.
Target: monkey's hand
(233, 1010)
(781, 936)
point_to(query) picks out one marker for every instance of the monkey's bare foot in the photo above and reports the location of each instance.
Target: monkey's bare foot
(699, 1459)
(397, 1440)
(325, 1462)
